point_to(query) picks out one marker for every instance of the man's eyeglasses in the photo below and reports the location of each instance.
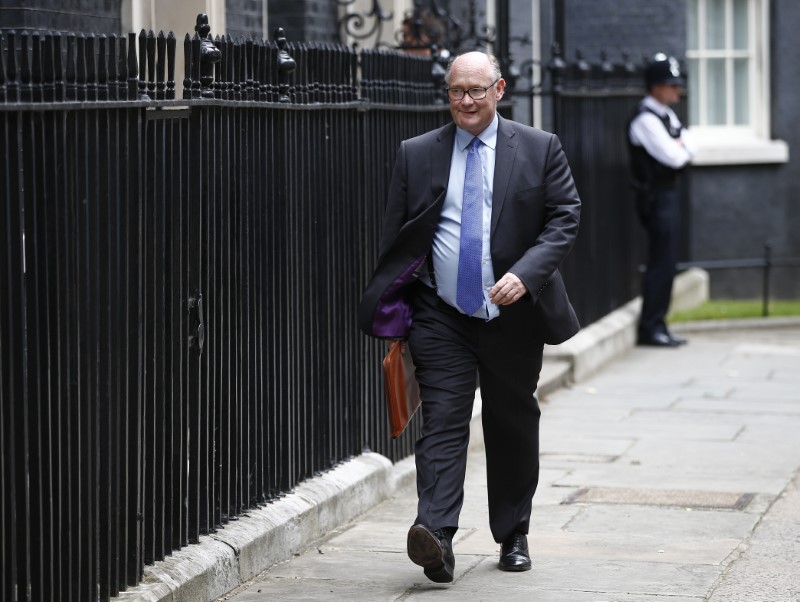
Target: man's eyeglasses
(474, 93)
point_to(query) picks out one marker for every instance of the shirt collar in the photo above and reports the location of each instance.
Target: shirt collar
(653, 104)
(488, 136)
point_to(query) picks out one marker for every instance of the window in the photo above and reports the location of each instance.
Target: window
(728, 88)
(721, 56)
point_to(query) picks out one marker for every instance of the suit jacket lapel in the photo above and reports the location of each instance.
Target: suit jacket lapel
(441, 154)
(504, 163)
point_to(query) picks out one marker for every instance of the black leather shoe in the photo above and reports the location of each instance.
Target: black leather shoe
(659, 339)
(676, 339)
(514, 554)
(433, 551)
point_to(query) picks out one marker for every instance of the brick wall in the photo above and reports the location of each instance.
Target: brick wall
(635, 26)
(244, 18)
(306, 20)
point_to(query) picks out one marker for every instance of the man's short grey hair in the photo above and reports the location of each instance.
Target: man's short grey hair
(493, 62)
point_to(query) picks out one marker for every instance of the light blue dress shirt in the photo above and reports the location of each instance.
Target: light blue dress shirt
(446, 240)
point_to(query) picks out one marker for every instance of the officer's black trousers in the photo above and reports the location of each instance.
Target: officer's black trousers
(662, 225)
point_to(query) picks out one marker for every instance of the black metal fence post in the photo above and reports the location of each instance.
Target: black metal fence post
(133, 67)
(286, 66)
(142, 67)
(208, 56)
(767, 269)
(3, 75)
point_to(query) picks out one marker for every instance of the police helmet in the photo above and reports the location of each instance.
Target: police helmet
(663, 69)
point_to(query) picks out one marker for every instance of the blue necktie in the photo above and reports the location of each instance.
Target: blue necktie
(469, 293)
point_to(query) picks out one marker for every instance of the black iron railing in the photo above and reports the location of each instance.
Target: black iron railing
(766, 264)
(610, 245)
(179, 283)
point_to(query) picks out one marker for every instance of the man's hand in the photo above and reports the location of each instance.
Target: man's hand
(507, 290)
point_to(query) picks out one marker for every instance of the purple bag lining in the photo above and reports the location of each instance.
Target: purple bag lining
(392, 317)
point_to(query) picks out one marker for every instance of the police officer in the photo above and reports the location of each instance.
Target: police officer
(660, 148)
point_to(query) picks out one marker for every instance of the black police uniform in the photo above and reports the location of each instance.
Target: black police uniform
(658, 206)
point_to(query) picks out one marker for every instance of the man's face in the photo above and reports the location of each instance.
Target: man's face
(666, 94)
(473, 70)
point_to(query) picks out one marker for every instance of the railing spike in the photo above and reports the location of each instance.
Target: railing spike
(113, 66)
(37, 91)
(24, 68)
(187, 66)
(171, 41)
(80, 63)
(196, 66)
(91, 67)
(3, 76)
(151, 65)
(161, 57)
(142, 83)
(122, 65)
(70, 85)
(102, 68)
(133, 67)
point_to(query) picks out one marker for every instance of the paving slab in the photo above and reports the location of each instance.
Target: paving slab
(754, 409)
(768, 567)
(667, 476)
(602, 577)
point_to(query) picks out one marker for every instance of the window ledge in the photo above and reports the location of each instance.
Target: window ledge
(740, 152)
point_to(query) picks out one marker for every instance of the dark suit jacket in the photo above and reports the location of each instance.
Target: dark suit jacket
(535, 215)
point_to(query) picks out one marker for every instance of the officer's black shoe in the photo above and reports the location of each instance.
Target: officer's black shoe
(658, 339)
(676, 339)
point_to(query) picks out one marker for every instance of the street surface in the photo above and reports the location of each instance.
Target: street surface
(669, 476)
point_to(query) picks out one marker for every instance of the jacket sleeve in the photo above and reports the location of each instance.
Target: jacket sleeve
(396, 212)
(560, 228)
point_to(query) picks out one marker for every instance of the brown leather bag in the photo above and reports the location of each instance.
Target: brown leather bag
(402, 389)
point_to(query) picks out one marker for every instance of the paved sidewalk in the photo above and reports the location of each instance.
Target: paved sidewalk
(669, 476)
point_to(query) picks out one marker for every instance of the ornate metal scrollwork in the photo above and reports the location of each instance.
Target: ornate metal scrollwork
(364, 26)
(209, 55)
(286, 65)
(430, 27)
(477, 35)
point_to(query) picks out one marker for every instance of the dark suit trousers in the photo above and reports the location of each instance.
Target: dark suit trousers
(449, 350)
(662, 227)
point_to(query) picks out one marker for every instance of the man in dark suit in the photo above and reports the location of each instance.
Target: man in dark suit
(480, 215)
